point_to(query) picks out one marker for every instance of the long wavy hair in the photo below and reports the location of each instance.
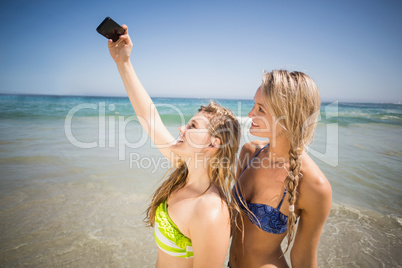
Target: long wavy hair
(223, 125)
(294, 98)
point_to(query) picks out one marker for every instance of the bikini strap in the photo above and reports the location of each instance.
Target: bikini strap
(283, 197)
(254, 157)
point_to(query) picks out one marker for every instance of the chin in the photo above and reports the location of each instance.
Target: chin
(259, 133)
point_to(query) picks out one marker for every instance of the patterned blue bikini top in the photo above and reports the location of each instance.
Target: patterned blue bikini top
(263, 216)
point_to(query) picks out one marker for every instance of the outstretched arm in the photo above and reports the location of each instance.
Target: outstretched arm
(144, 107)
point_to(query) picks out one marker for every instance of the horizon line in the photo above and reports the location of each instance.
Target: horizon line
(173, 97)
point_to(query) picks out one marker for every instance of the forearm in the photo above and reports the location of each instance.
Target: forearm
(143, 106)
(139, 98)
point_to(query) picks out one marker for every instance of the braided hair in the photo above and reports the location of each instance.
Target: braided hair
(294, 97)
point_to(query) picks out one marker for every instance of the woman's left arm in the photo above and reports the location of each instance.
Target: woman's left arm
(210, 234)
(315, 204)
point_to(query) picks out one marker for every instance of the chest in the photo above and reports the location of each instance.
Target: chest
(263, 184)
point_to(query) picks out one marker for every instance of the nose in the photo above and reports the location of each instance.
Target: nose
(251, 113)
(182, 128)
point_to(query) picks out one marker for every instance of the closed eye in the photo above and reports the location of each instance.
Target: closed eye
(191, 125)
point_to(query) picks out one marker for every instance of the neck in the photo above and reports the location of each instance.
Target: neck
(198, 177)
(279, 149)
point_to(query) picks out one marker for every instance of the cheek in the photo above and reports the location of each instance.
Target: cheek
(263, 121)
(203, 138)
(198, 138)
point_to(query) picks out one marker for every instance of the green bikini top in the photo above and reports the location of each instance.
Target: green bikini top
(168, 236)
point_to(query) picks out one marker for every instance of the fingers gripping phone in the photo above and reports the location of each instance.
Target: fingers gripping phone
(110, 29)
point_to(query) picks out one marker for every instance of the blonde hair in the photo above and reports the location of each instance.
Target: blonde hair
(223, 125)
(293, 97)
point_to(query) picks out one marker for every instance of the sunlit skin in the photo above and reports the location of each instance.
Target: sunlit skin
(265, 185)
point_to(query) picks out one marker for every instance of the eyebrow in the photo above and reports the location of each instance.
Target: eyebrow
(262, 106)
(257, 102)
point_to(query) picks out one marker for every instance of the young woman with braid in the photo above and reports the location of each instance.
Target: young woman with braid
(191, 211)
(278, 183)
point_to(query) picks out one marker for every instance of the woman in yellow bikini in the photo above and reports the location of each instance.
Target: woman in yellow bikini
(191, 210)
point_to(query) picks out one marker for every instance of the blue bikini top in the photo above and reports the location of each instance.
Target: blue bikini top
(263, 216)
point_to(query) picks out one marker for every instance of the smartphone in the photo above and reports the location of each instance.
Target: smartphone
(110, 29)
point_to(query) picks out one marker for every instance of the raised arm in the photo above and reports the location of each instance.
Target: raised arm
(144, 107)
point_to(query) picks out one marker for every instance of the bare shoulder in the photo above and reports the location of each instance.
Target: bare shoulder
(251, 148)
(314, 187)
(254, 145)
(210, 209)
(209, 230)
(210, 218)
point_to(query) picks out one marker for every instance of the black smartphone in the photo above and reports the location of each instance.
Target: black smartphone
(110, 29)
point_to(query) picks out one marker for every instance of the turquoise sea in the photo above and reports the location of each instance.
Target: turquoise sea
(76, 175)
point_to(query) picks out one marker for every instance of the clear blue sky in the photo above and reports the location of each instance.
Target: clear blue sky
(205, 49)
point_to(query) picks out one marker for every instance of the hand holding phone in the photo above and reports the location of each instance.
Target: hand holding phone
(110, 29)
(121, 50)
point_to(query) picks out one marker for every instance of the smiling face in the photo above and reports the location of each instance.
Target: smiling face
(264, 124)
(194, 137)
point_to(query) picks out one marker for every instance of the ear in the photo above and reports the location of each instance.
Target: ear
(215, 142)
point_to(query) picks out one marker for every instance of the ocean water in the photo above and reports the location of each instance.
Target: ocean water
(77, 173)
